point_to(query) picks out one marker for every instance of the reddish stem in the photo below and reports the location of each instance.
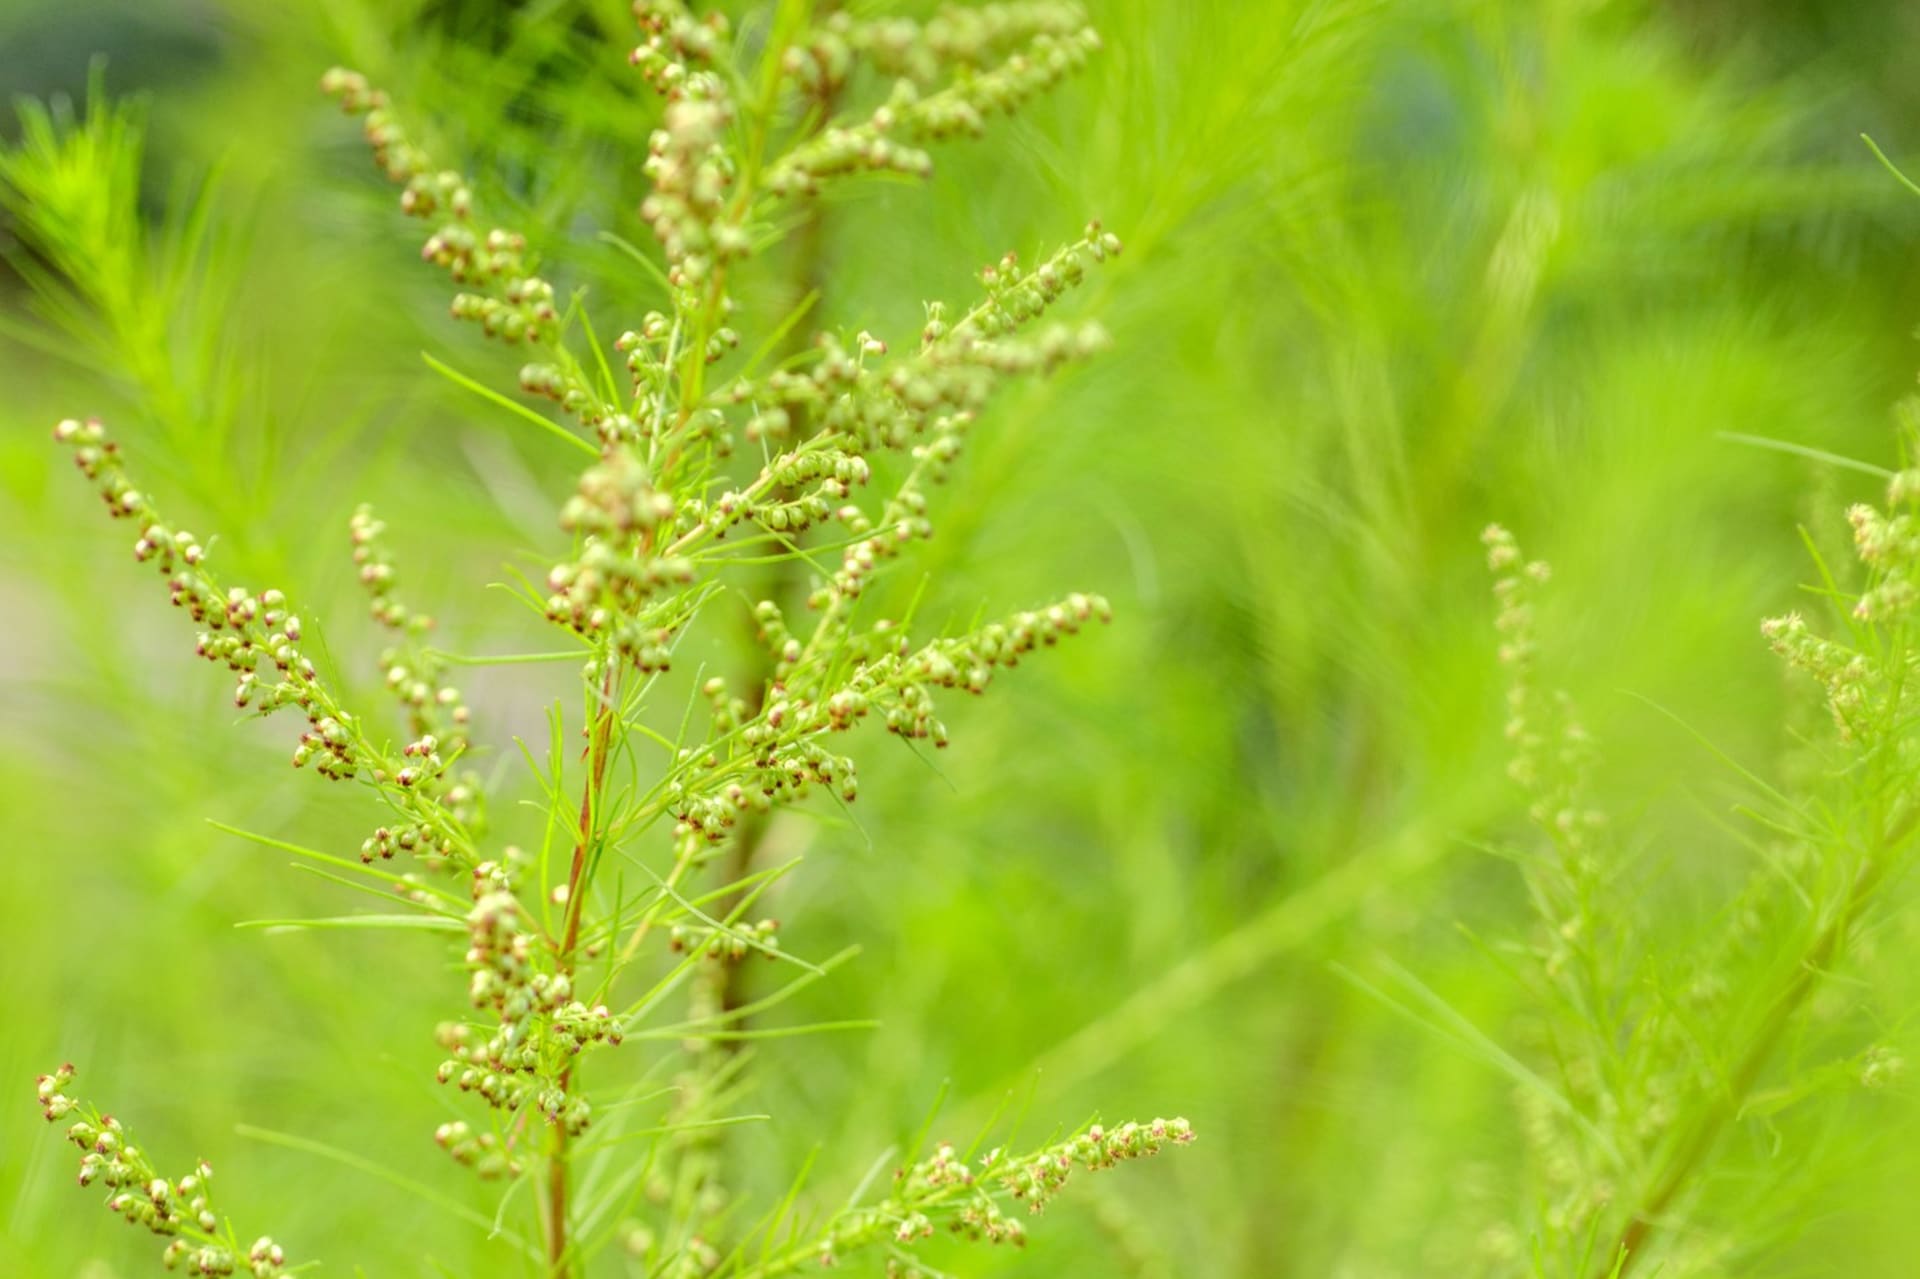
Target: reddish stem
(599, 748)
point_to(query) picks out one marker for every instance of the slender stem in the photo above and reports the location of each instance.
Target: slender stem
(559, 1157)
(1706, 1131)
(691, 379)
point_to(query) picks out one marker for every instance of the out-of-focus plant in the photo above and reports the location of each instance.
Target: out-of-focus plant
(699, 468)
(1664, 1070)
(144, 310)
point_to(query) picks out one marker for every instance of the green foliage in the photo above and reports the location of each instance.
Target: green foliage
(1391, 272)
(555, 940)
(1664, 1047)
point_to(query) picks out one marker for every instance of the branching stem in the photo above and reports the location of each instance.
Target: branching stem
(1706, 1131)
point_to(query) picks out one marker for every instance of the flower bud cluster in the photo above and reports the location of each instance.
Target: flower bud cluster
(1553, 753)
(1859, 690)
(1851, 683)
(692, 172)
(469, 257)
(374, 567)
(957, 37)
(925, 404)
(770, 628)
(934, 392)
(391, 151)
(417, 838)
(797, 515)
(730, 944)
(567, 387)
(964, 107)
(777, 764)
(181, 1207)
(942, 1168)
(1000, 57)
(899, 686)
(1036, 1180)
(649, 351)
(55, 1105)
(257, 637)
(1881, 1066)
(516, 304)
(616, 500)
(903, 519)
(1513, 579)
(676, 42)
(574, 1026)
(1889, 545)
(771, 503)
(608, 588)
(540, 1024)
(414, 673)
(697, 1258)
(837, 469)
(842, 150)
(499, 947)
(822, 60)
(1015, 297)
(481, 1152)
(486, 1064)
(203, 1259)
(944, 1189)
(984, 1222)
(979, 1218)
(729, 711)
(776, 757)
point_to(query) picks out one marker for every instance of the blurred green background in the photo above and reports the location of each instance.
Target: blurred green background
(1393, 270)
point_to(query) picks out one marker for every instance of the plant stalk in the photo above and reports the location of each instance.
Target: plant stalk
(1706, 1132)
(559, 1157)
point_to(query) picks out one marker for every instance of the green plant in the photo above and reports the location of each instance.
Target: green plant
(1654, 1055)
(700, 469)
